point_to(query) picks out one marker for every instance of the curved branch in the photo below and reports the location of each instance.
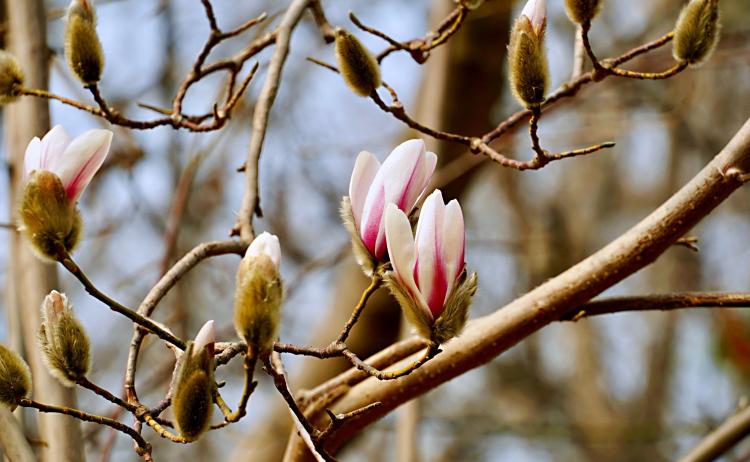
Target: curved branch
(722, 439)
(489, 336)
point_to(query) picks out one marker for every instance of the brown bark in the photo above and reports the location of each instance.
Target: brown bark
(31, 278)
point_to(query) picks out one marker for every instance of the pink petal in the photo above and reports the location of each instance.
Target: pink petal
(365, 168)
(454, 243)
(372, 225)
(401, 170)
(430, 268)
(265, 244)
(421, 180)
(81, 160)
(401, 251)
(32, 159)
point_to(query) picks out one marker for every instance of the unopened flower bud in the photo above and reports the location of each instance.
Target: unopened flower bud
(697, 31)
(57, 170)
(582, 11)
(64, 344)
(11, 77)
(82, 47)
(357, 65)
(527, 60)
(15, 378)
(259, 293)
(50, 221)
(429, 278)
(192, 402)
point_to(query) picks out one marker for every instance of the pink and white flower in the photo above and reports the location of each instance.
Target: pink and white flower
(74, 161)
(400, 180)
(536, 11)
(428, 266)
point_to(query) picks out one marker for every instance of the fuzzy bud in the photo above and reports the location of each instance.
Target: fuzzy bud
(64, 344)
(582, 11)
(49, 220)
(527, 61)
(15, 378)
(697, 31)
(357, 65)
(259, 293)
(192, 402)
(11, 77)
(82, 47)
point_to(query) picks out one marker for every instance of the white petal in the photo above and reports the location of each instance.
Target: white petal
(536, 11)
(421, 180)
(453, 241)
(206, 336)
(401, 251)
(268, 245)
(81, 160)
(429, 267)
(54, 144)
(400, 170)
(365, 168)
(32, 159)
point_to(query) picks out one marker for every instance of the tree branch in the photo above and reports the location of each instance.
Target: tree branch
(487, 337)
(722, 439)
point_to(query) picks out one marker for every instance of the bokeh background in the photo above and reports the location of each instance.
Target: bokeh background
(629, 387)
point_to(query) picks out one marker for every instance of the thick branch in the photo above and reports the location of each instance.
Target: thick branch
(489, 336)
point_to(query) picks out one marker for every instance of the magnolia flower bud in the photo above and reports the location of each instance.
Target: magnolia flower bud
(527, 61)
(82, 47)
(582, 11)
(15, 378)
(697, 31)
(192, 402)
(57, 171)
(357, 65)
(11, 77)
(429, 279)
(259, 294)
(401, 179)
(64, 344)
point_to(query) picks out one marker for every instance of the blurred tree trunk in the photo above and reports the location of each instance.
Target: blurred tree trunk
(458, 71)
(32, 279)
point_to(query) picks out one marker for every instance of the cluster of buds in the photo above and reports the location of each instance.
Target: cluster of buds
(57, 170)
(259, 294)
(64, 344)
(192, 403)
(83, 50)
(15, 378)
(428, 276)
(401, 180)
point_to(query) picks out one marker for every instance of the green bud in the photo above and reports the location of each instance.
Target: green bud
(192, 402)
(582, 11)
(82, 47)
(15, 378)
(257, 304)
(49, 219)
(697, 31)
(64, 344)
(527, 63)
(11, 77)
(357, 65)
(452, 319)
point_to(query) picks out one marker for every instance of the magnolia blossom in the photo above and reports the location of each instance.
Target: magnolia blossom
(206, 338)
(74, 161)
(536, 11)
(265, 244)
(400, 180)
(429, 264)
